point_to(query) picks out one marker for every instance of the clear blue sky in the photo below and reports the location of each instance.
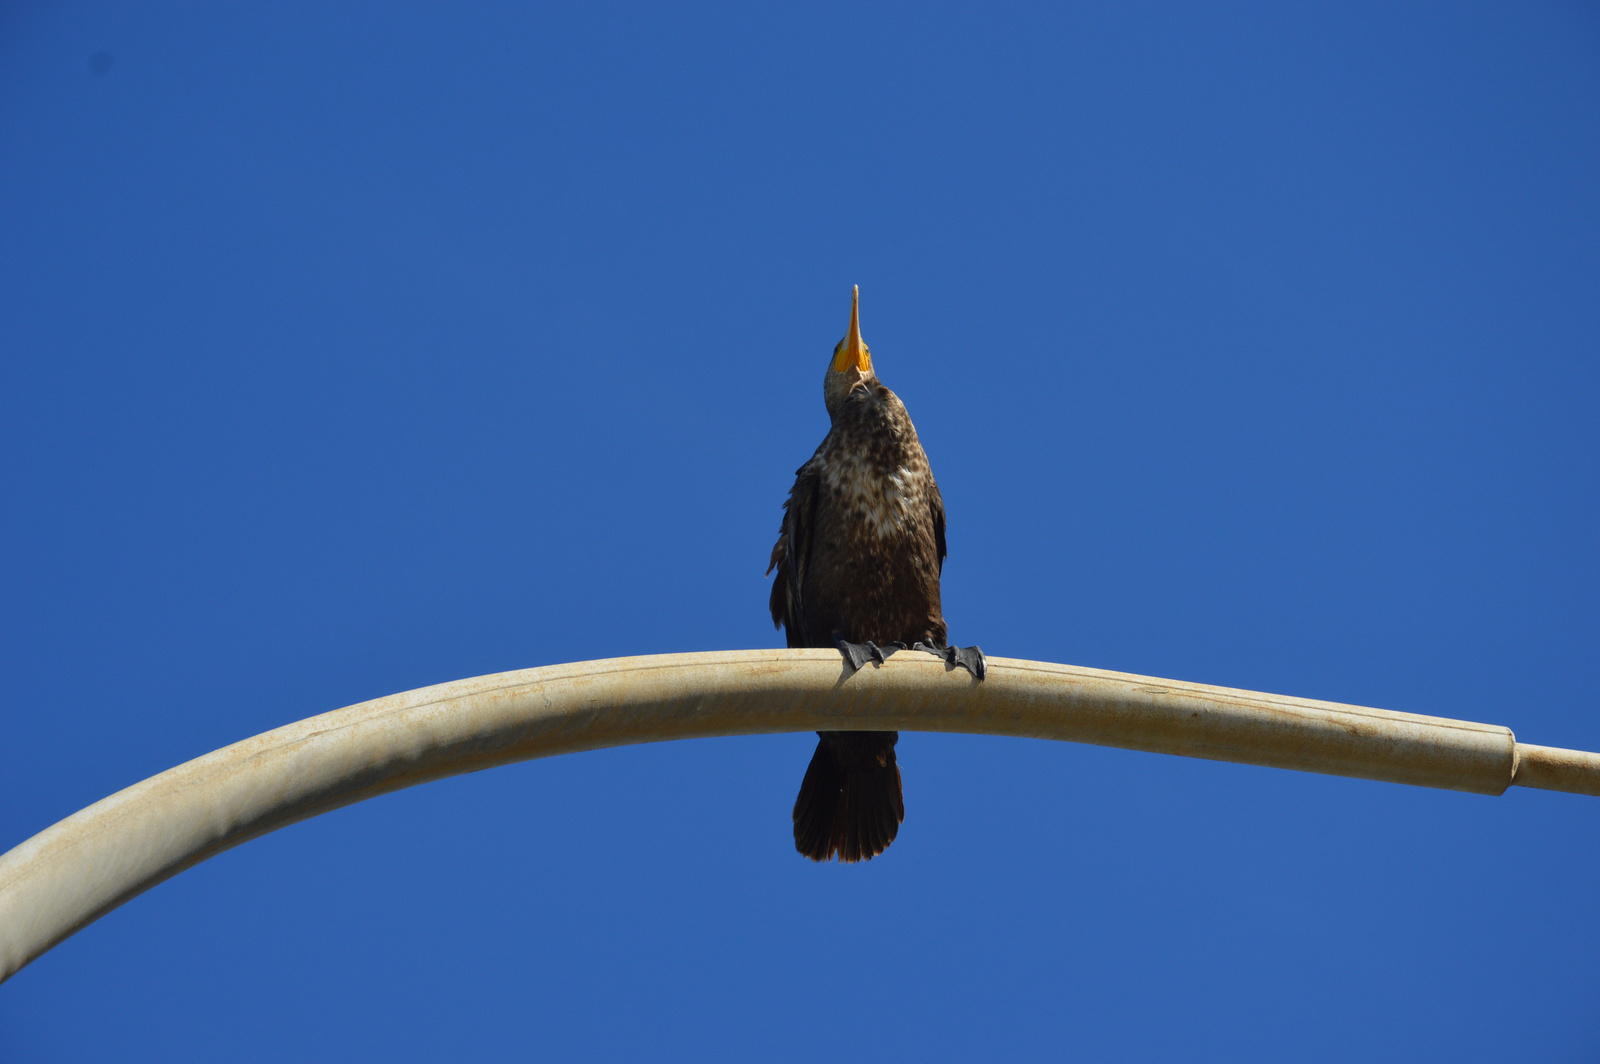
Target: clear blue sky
(352, 349)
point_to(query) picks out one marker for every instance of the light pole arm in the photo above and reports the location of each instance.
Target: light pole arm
(72, 873)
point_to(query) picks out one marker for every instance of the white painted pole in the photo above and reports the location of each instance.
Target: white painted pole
(76, 871)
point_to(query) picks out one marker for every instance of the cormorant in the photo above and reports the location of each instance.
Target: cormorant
(858, 560)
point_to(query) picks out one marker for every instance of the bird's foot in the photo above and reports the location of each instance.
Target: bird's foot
(858, 654)
(969, 658)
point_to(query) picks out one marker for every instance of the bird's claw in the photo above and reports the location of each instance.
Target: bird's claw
(858, 654)
(969, 658)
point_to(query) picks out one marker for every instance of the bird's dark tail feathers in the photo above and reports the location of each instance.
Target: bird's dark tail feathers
(850, 802)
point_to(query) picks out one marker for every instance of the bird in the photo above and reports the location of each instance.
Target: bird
(858, 560)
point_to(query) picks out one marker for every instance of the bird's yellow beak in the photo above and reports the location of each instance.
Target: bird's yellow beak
(852, 351)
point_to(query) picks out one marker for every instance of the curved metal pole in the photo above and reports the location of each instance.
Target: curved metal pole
(83, 867)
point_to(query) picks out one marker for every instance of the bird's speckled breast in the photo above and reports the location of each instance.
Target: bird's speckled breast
(875, 567)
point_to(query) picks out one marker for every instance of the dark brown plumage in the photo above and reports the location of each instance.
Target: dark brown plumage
(858, 562)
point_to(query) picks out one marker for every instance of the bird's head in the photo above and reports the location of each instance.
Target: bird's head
(851, 364)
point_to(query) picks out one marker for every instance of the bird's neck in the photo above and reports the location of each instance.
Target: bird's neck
(837, 389)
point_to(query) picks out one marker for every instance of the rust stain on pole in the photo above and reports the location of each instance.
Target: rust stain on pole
(83, 867)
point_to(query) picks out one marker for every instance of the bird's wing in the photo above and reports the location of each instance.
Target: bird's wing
(936, 505)
(791, 553)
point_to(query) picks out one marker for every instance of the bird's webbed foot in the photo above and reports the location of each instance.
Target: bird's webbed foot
(858, 654)
(969, 658)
